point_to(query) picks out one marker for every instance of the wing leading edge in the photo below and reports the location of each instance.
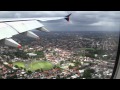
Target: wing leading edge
(11, 27)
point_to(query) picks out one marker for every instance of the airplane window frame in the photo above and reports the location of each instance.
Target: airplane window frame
(116, 65)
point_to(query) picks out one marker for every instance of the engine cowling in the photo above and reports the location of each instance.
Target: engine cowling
(31, 34)
(12, 43)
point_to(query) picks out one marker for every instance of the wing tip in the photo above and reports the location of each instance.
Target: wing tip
(68, 17)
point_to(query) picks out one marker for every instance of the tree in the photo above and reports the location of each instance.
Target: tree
(1, 77)
(40, 54)
(12, 77)
(38, 70)
(10, 63)
(54, 53)
(41, 70)
(16, 66)
(77, 63)
(87, 73)
(11, 56)
(61, 62)
(21, 67)
(70, 67)
(21, 54)
(56, 66)
(58, 77)
(92, 70)
(25, 69)
(29, 72)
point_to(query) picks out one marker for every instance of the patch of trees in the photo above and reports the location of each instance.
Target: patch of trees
(21, 54)
(62, 62)
(40, 54)
(70, 67)
(77, 63)
(88, 73)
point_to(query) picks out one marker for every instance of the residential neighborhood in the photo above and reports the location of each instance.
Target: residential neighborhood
(70, 57)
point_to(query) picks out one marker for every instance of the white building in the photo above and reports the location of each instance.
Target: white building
(31, 54)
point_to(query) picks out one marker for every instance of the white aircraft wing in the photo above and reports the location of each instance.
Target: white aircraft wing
(10, 27)
(28, 19)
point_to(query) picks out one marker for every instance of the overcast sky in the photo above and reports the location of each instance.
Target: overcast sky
(80, 20)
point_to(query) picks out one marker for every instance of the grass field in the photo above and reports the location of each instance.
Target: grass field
(19, 64)
(40, 65)
(35, 65)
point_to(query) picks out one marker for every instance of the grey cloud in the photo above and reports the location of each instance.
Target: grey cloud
(7, 14)
(82, 20)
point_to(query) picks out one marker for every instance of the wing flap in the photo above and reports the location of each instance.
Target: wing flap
(6, 31)
(30, 19)
(24, 26)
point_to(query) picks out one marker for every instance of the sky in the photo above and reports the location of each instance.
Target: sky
(79, 21)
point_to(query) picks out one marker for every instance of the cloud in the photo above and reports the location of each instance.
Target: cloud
(103, 23)
(81, 20)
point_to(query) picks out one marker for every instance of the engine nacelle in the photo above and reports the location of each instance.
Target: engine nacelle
(12, 43)
(31, 34)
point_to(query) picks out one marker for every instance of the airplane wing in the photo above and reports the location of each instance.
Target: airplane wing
(11, 27)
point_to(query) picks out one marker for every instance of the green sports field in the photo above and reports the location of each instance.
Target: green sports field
(19, 64)
(35, 65)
